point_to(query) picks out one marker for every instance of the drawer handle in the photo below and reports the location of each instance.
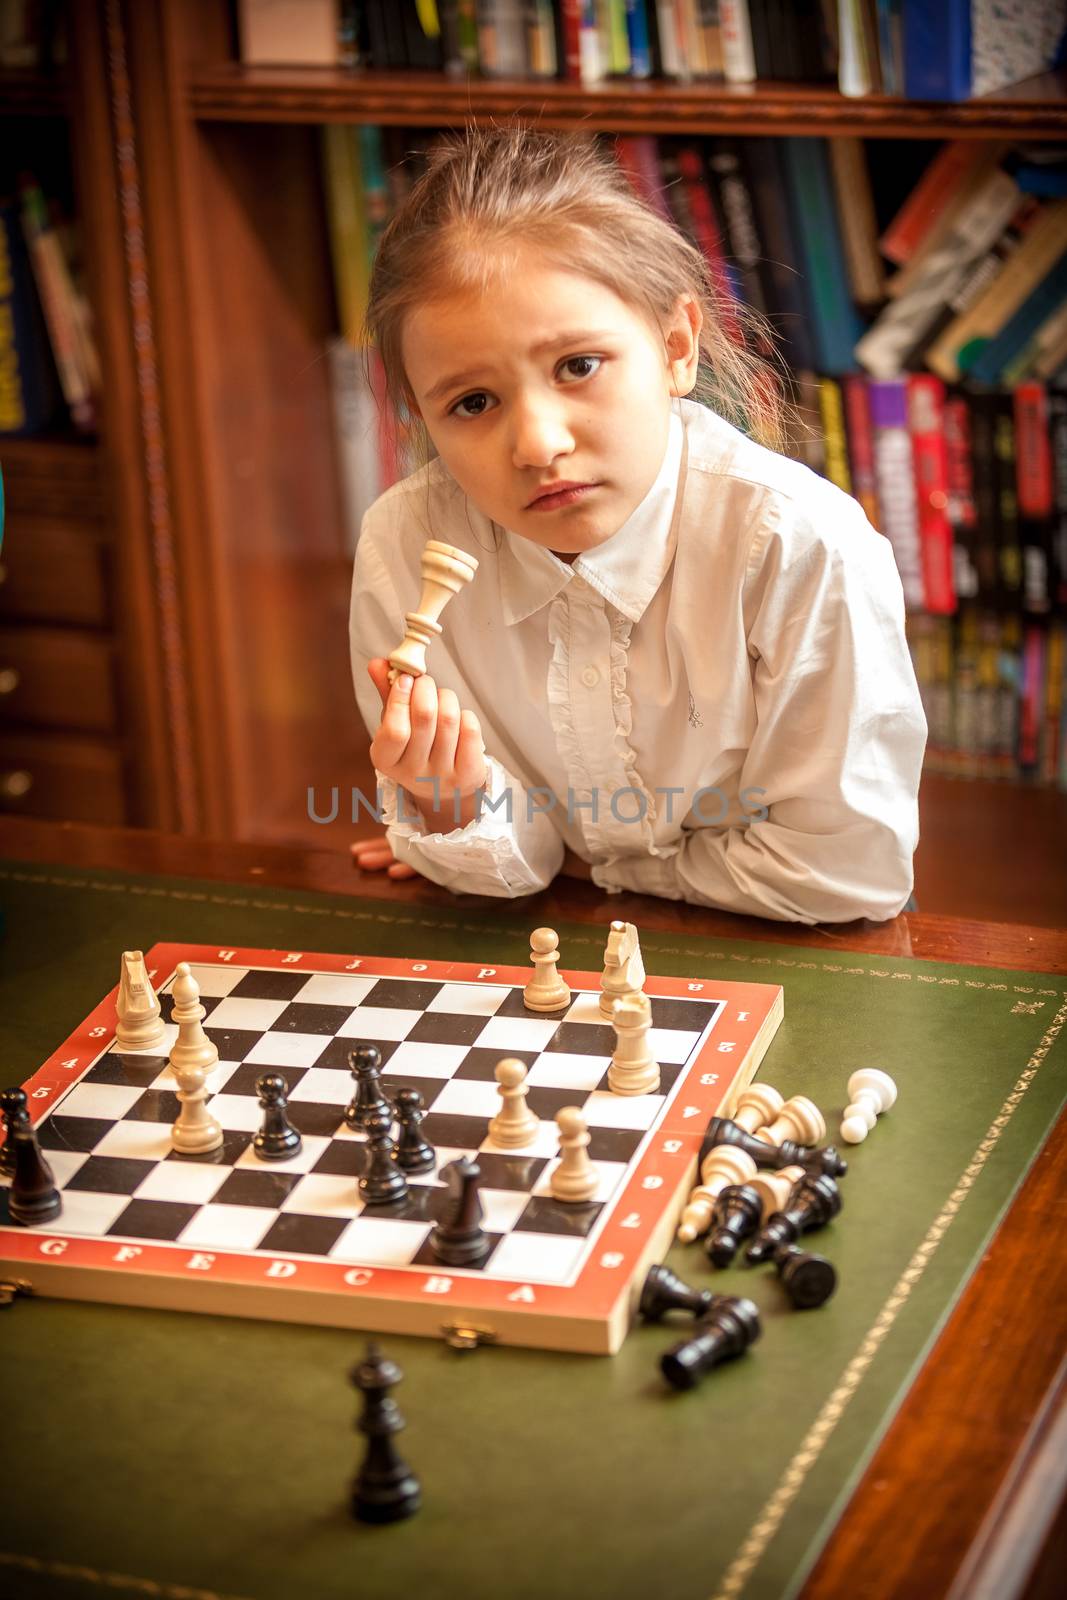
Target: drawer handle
(15, 785)
(9, 680)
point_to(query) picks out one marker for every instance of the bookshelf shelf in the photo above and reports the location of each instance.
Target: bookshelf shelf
(1036, 109)
(33, 94)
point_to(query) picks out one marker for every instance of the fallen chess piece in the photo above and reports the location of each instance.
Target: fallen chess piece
(721, 1166)
(809, 1280)
(736, 1217)
(664, 1291)
(728, 1330)
(798, 1119)
(814, 1202)
(871, 1092)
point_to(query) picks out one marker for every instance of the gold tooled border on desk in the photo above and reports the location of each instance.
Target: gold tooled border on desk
(773, 1513)
(253, 903)
(121, 1582)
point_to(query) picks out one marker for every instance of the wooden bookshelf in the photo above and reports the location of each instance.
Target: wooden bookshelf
(212, 285)
(230, 92)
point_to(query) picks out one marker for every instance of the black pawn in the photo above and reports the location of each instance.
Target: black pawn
(663, 1291)
(728, 1330)
(413, 1152)
(736, 1217)
(34, 1197)
(722, 1130)
(12, 1101)
(277, 1138)
(808, 1279)
(365, 1065)
(458, 1239)
(815, 1200)
(385, 1489)
(383, 1182)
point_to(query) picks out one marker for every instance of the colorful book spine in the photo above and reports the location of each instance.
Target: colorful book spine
(1009, 549)
(29, 392)
(1032, 700)
(926, 422)
(58, 300)
(704, 227)
(815, 226)
(1033, 480)
(638, 39)
(895, 479)
(1020, 328)
(739, 65)
(861, 446)
(962, 511)
(832, 416)
(571, 39)
(929, 198)
(937, 49)
(1055, 670)
(1057, 405)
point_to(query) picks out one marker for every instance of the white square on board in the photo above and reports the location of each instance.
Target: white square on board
(229, 1227)
(288, 1049)
(237, 1113)
(188, 1182)
(138, 1141)
(109, 1101)
(509, 1034)
(561, 1071)
(85, 1213)
(380, 1241)
(246, 1015)
(606, 1110)
(470, 999)
(426, 1060)
(535, 1258)
(671, 1045)
(325, 1086)
(334, 989)
(312, 1147)
(378, 1022)
(216, 980)
(324, 1194)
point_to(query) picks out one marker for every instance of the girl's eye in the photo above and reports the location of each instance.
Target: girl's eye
(480, 402)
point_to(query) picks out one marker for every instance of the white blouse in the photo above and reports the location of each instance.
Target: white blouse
(716, 705)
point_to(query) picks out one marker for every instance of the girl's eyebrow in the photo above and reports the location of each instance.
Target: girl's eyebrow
(575, 336)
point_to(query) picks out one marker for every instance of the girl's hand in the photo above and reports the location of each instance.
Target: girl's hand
(371, 855)
(423, 736)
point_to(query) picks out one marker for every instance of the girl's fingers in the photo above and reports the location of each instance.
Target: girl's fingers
(423, 724)
(400, 869)
(470, 754)
(390, 744)
(443, 751)
(378, 672)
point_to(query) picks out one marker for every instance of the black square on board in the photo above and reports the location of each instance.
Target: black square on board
(428, 1088)
(545, 1215)
(545, 1102)
(243, 1081)
(688, 1016)
(72, 1133)
(337, 1052)
(294, 1234)
(515, 1172)
(264, 985)
(455, 1132)
(513, 1005)
(132, 1072)
(153, 1219)
(155, 1105)
(318, 1121)
(402, 994)
(247, 1186)
(233, 1146)
(582, 1039)
(166, 1005)
(614, 1144)
(481, 1063)
(447, 1027)
(345, 1158)
(300, 1017)
(110, 1174)
(233, 1044)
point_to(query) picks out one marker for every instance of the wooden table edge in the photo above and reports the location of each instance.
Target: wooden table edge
(925, 1470)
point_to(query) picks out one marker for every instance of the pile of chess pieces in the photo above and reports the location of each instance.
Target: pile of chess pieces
(763, 1182)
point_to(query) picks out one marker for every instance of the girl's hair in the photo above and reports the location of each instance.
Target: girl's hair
(486, 192)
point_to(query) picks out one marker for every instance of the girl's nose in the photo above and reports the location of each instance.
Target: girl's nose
(540, 434)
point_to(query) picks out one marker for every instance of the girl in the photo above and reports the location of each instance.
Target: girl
(680, 668)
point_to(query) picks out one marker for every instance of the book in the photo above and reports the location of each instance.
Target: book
(1009, 548)
(962, 508)
(813, 214)
(1033, 478)
(637, 156)
(347, 226)
(787, 300)
(926, 423)
(737, 59)
(859, 224)
(988, 365)
(30, 396)
(1057, 406)
(292, 33)
(540, 39)
(860, 436)
(356, 426)
(899, 334)
(502, 39)
(894, 470)
(734, 207)
(953, 167)
(1052, 742)
(835, 445)
(937, 49)
(63, 316)
(1012, 40)
(1033, 241)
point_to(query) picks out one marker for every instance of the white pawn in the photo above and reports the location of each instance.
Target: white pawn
(514, 1124)
(546, 990)
(140, 1020)
(624, 970)
(758, 1105)
(192, 1048)
(576, 1178)
(634, 1069)
(799, 1119)
(723, 1165)
(196, 1130)
(774, 1188)
(871, 1092)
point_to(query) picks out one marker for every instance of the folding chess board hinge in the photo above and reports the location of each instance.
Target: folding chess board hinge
(465, 1336)
(11, 1288)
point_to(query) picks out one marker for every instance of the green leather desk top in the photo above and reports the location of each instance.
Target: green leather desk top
(178, 1455)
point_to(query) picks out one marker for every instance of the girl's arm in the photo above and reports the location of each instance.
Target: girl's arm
(837, 752)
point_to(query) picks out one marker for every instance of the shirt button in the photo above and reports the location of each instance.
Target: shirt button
(590, 677)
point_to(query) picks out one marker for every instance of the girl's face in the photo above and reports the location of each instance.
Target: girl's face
(549, 378)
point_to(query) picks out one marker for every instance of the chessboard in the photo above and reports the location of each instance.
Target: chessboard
(226, 1233)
